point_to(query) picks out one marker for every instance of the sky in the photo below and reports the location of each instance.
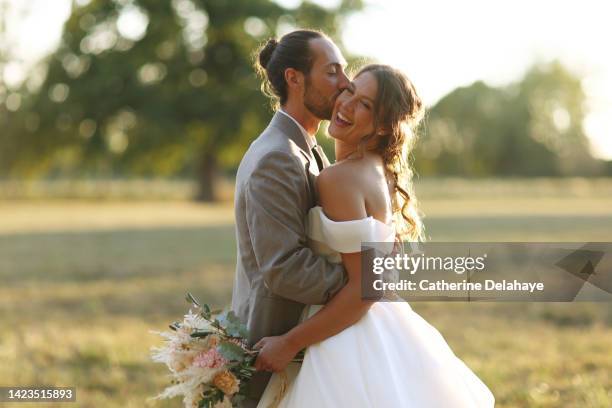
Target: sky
(445, 44)
(440, 44)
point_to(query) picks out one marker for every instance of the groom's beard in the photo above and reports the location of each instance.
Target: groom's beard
(317, 104)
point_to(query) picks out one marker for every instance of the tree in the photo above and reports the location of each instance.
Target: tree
(156, 88)
(529, 128)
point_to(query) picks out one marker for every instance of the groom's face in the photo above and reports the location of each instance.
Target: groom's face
(326, 79)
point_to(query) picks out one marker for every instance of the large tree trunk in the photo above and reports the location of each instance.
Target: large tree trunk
(207, 177)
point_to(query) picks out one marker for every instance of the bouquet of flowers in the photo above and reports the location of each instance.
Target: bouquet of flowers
(208, 357)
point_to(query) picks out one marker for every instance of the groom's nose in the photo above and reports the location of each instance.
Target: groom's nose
(343, 81)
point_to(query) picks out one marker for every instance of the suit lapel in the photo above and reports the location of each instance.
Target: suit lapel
(292, 131)
(287, 127)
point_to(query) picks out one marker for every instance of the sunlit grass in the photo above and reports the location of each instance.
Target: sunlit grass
(84, 282)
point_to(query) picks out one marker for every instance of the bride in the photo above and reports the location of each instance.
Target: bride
(362, 353)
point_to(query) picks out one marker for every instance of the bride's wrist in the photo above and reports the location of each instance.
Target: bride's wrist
(293, 341)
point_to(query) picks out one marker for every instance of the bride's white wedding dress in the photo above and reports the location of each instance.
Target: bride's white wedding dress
(391, 358)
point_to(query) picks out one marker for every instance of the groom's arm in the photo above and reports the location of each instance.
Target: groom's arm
(277, 202)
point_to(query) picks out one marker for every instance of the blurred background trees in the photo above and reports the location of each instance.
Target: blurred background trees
(151, 88)
(533, 127)
(143, 88)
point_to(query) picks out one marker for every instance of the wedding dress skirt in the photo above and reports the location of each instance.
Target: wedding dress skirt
(390, 358)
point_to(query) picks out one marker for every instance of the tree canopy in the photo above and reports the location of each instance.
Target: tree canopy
(154, 88)
(529, 128)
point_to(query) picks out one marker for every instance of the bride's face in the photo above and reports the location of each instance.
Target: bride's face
(353, 115)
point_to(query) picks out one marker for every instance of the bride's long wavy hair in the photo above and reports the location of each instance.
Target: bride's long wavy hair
(398, 111)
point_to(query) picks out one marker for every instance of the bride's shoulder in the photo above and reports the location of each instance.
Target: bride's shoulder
(334, 172)
(351, 174)
(342, 175)
(339, 192)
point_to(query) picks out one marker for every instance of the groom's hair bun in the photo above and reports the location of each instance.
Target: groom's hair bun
(266, 52)
(275, 56)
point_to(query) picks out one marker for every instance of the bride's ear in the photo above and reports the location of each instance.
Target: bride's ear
(381, 131)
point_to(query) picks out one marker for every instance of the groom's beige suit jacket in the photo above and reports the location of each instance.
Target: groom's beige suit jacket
(277, 274)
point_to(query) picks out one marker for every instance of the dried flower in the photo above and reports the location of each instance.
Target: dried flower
(226, 382)
(195, 352)
(213, 341)
(209, 359)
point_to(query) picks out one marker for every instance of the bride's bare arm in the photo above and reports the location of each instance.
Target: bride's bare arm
(341, 201)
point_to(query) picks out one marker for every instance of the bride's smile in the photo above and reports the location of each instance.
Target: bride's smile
(353, 115)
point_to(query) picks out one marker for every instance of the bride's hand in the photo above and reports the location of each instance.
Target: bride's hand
(275, 353)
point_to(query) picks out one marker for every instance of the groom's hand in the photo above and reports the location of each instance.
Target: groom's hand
(275, 353)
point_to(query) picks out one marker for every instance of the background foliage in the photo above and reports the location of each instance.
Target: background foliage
(142, 88)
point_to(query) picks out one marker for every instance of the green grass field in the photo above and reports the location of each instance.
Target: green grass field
(83, 282)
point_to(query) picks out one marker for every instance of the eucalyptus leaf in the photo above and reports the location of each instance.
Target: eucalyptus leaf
(191, 299)
(232, 324)
(206, 311)
(230, 351)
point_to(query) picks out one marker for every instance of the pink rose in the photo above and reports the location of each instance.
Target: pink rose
(209, 359)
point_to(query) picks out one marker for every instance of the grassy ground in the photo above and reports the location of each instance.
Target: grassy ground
(83, 282)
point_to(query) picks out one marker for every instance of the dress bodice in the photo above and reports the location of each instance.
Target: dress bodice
(330, 238)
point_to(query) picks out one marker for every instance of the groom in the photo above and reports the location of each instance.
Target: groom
(277, 274)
